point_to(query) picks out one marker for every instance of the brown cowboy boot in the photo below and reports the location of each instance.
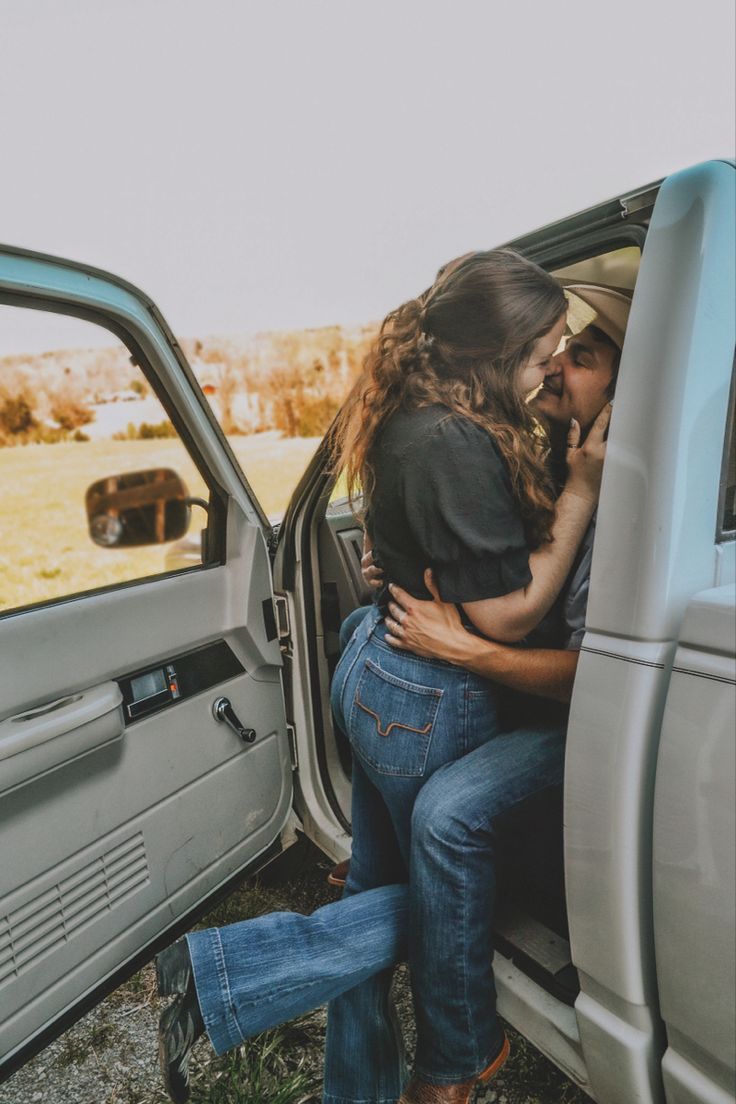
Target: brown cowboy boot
(338, 874)
(421, 1092)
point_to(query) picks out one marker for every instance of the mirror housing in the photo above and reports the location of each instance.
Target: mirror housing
(137, 508)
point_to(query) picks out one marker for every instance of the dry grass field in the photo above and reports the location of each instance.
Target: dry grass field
(45, 548)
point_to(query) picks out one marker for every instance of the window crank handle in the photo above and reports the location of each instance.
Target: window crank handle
(224, 712)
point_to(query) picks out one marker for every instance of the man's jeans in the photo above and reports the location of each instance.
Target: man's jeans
(253, 975)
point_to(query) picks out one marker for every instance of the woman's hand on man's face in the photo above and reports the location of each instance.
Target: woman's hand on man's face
(585, 462)
(432, 629)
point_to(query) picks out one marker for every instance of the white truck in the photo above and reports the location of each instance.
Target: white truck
(160, 736)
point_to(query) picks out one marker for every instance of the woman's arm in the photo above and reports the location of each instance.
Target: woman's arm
(510, 617)
(434, 629)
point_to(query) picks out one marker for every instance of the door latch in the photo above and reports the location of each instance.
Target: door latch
(283, 625)
(224, 712)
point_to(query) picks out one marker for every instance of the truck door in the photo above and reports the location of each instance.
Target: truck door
(127, 797)
(654, 551)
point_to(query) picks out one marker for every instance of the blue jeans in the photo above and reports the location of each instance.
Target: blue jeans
(405, 717)
(351, 623)
(261, 972)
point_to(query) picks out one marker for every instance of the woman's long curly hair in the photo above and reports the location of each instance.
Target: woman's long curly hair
(461, 344)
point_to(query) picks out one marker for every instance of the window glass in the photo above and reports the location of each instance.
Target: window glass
(275, 395)
(617, 268)
(77, 412)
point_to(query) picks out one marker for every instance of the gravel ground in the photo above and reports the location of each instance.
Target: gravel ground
(109, 1057)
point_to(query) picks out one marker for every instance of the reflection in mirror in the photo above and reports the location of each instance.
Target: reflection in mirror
(142, 507)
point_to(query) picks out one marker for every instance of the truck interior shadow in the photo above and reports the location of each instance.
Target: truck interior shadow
(531, 924)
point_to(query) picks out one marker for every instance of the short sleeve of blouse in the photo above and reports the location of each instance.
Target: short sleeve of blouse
(461, 512)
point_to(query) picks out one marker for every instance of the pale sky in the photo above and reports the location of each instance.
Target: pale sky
(288, 163)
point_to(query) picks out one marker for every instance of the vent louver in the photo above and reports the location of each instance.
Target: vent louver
(56, 914)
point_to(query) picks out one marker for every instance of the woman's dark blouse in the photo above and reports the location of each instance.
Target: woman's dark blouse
(443, 499)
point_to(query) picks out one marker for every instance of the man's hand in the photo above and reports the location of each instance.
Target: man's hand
(428, 628)
(434, 630)
(585, 462)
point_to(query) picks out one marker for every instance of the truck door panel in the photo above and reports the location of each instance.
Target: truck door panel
(113, 826)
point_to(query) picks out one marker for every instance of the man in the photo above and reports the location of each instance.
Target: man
(342, 949)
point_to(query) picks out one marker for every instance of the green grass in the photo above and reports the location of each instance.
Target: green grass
(264, 1070)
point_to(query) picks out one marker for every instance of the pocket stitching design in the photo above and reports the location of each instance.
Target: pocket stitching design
(420, 737)
(393, 724)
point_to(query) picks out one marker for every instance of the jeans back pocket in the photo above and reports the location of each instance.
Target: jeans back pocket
(391, 721)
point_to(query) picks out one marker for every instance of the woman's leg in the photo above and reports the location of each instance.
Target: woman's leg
(453, 895)
(258, 973)
(350, 624)
(405, 717)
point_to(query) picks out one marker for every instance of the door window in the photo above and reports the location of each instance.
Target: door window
(275, 395)
(97, 486)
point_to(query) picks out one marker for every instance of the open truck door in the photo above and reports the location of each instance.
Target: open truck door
(144, 759)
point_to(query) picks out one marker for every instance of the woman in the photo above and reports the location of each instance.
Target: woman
(439, 438)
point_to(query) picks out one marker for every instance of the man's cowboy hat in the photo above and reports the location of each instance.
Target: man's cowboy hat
(606, 308)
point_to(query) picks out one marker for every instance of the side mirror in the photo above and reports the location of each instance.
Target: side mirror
(143, 507)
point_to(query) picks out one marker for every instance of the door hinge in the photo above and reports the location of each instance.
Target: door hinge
(273, 540)
(283, 623)
(291, 734)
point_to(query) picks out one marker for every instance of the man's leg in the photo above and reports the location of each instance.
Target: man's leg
(364, 1053)
(453, 895)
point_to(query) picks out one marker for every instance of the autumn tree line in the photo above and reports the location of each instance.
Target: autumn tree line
(290, 381)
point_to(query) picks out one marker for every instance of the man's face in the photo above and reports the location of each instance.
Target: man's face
(576, 382)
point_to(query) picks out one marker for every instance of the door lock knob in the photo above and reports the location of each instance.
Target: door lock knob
(224, 712)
